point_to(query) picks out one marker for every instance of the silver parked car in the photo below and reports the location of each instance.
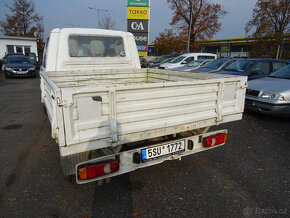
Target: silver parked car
(270, 95)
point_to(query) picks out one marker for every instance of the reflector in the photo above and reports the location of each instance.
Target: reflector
(83, 173)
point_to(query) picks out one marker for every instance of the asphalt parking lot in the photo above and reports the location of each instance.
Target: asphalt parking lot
(248, 177)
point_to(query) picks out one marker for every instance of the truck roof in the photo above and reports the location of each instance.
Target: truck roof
(89, 31)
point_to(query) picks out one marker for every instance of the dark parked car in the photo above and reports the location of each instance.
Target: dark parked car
(253, 68)
(18, 65)
(215, 65)
(143, 62)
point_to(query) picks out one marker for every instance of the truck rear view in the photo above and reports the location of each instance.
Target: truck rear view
(110, 117)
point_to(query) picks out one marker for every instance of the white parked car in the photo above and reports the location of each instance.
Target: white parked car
(184, 59)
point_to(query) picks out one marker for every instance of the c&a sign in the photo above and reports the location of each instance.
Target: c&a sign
(137, 26)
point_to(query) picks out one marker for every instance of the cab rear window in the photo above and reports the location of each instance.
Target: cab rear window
(96, 46)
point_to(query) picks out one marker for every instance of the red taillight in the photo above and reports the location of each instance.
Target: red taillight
(215, 140)
(98, 169)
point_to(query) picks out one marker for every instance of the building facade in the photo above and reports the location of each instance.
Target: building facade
(14, 44)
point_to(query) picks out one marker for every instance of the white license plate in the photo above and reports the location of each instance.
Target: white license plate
(20, 72)
(162, 151)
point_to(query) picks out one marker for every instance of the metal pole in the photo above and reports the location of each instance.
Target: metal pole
(98, 18)
(278, 51)
(189, 30)
(98, 10)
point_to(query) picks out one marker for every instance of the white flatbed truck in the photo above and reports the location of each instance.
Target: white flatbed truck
(111, 117)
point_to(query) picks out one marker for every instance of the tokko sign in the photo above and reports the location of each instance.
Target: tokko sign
(139, 26)
(141, 13)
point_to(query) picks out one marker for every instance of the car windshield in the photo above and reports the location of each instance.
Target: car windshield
(167, 60)
(162, 58)
(154, 60)
(177, 60)
(194, 63)
(241, 65)
(283, 73)
(18, 59)
(215, 64)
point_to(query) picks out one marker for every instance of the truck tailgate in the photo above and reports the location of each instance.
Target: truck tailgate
(109, 115)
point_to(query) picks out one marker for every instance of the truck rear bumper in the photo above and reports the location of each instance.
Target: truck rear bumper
(128, 163)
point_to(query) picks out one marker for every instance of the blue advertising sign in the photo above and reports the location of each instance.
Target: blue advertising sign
(142, 47)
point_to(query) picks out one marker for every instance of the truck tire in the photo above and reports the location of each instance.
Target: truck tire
(71, 179)
(44, 110)
(33, 75)
(6, 75)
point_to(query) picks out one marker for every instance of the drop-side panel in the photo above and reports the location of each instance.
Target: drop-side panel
(125, 114)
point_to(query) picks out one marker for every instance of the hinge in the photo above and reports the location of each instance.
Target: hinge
(63, 104)
(243, 85)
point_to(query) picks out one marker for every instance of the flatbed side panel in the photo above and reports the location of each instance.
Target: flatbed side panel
(51, 95)
(148, 111)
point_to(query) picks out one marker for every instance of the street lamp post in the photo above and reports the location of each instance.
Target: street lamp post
(98, 10)
(189, 30)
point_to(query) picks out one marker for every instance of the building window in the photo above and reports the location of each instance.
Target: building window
(27, 50)
(19, 49)
(10, 49)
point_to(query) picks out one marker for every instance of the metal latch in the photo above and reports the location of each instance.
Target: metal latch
(63, 104)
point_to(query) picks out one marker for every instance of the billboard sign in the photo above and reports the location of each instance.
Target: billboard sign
(138, 3)
(141, 38)
(143, 53)
(140, 13)
(142, 47)
(137, 26)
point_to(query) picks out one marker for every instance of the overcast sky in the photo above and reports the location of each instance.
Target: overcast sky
(75, 13)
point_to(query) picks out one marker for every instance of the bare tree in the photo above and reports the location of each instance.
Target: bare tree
(197, 18)
(107, 23)
(271, 23)
(22, 20)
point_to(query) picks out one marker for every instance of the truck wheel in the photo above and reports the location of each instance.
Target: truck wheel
(71, 179)
(6, 75)
(44, 110)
